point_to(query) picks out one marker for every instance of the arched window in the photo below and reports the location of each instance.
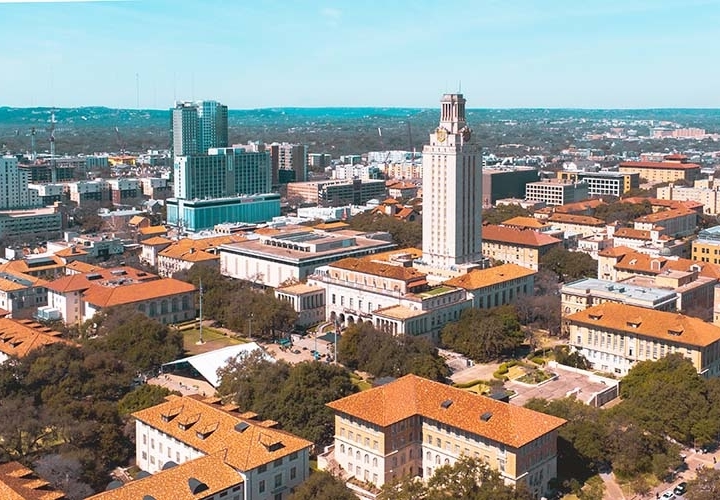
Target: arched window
(357, 455)
(367, 458)
(342, 448)
(153, 309)
(185, 302)
(164, 307)
(175, 304)
(374, 461)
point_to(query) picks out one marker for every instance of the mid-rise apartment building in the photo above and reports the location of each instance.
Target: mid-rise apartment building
(198, 126)
(603, 183)
(413, 426)
(337, 192)
(554, 192)
(704, 191)
(222, 172)
(14, 191)
(669, 170)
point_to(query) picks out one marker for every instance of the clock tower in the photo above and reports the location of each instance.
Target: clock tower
(452, 191)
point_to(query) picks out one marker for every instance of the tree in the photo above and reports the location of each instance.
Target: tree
(404, 233)
(668, 398)
(294, 395)
(484, 334)
(363, 347)
(501, 213)
(322, 486)
(706, 486)
(142, 342)
(64, 473)
(569, 266)
(469, 478)
(142, 397)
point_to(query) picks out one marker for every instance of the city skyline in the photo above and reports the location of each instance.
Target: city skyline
(149, 53)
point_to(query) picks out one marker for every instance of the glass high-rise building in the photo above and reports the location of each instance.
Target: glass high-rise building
(198, 126)
(222, 172)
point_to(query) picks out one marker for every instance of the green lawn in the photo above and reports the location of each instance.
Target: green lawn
(213, 340)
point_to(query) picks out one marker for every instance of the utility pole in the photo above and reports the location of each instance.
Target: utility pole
(201, 340)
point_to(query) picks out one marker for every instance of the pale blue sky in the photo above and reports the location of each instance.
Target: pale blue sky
(274, 53)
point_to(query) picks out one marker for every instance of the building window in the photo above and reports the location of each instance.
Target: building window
(261, 486)
(262, 468)
(278, 480)
(293, 473)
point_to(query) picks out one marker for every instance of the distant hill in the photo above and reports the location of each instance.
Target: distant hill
(334, 130)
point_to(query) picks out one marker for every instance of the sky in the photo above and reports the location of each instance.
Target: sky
(252, 54)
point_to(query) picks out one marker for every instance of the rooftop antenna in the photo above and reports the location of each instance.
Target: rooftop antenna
(137, 90)
(33, 153)
(53, 166)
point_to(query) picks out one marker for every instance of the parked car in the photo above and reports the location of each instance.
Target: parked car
(668, 495)
(680, 489)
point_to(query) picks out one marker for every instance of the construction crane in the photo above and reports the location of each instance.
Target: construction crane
(53, 165)
(121, 143)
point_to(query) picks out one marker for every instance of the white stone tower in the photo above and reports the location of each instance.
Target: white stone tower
(452, 191)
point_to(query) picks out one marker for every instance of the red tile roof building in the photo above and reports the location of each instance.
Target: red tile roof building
(79, 296)
(515, 246)
(216, 444)
(412, 426)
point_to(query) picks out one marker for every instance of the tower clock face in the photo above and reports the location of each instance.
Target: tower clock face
(441, 134)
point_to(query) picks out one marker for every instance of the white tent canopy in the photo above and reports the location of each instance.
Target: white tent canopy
(207, 363)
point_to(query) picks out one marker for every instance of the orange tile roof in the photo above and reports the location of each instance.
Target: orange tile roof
(81, 267)
(659, 165)
(411, 395)
(172, 483)
(405, 213)
(324, 226)
(246, 450)
(136, 219)
(21, 266)
(666, 215)
(585, 220)
(108, 296)
(618, 251)
(156, 241)
(76, 282)
(12, 280)
(381, 269)
(514, 236)
(390, 201)
(661, 325)
(19, 337)
(635, 234)
(631, 261)
(153, 230)
(188, 254)
(415, 253)
(480, 278)
(580, 206)
(17, 482)
(529, 222)
(70, 251)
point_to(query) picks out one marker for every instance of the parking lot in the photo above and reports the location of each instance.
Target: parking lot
(302, 349)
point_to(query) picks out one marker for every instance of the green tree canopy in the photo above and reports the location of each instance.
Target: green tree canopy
(363, 347)
(706, 486)
(141, 342)
(294, 395)
(468, 479)
(322, 486)
(501, 213)
(569, 266)
(484, 334)
(404, 233)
